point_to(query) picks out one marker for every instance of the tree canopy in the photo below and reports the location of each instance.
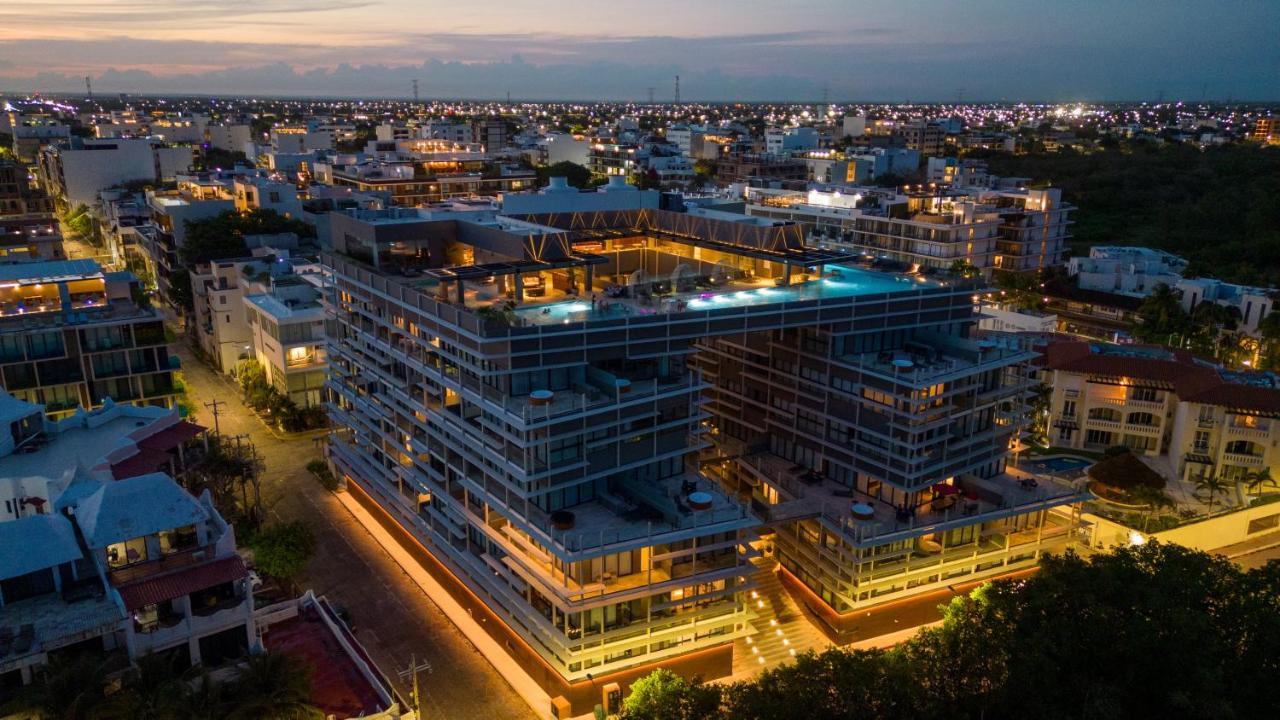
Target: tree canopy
(1142, 632)
(575, 174)
(1218, 207)
(222, 236)
(283, 551)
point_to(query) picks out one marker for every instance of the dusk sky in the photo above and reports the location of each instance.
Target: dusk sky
(741, 50)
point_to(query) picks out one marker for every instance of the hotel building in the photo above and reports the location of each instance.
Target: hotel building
(590, 417)
(1191, 417)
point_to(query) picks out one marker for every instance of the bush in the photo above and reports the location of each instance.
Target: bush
(282, 551)
(321, 470)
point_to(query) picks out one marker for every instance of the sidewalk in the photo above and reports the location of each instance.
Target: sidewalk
(461, 617)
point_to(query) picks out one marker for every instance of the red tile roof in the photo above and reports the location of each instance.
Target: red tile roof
(140, 463)
(172, 436)
(153, 450)
(1176, 370)
(182, 582)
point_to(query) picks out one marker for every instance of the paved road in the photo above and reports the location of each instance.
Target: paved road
(393, 618)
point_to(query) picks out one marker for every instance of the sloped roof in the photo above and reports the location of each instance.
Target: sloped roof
(36, 542)
(182, 582)
(138, 506)
(1175, 370)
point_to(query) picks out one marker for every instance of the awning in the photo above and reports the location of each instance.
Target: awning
(139, 463)
(172, 436)
(183, 582)
(1198, 459)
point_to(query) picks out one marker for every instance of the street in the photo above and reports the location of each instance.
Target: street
(393, 618)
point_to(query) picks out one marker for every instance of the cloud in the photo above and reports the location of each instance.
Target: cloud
(291, 47)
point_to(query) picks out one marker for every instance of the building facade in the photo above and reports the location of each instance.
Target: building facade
(1200, 420)
(598, 472)
(73, 335)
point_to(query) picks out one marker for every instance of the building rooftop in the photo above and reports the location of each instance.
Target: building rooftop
(286, 312)
(339, 687)
(84, 440)
(142, 505)
(36, 542)
(50, 271)
(1192, 379)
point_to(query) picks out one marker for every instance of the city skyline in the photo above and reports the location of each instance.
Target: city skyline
(745, 52)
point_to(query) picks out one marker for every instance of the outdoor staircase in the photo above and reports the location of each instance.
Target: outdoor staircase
(780, 624)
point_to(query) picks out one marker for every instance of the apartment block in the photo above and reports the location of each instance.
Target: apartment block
(1135, 271)
(77, 170)
(195, 198)
(108, 561)
(28, 228)
(73, 335)
(590, 417)
(1195, 419)
(920, 230)
(286, 329)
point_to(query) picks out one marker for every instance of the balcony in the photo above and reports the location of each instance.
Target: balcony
(164, 564)
(1247, 433)
(978, 500)
(1132, 403)
(1242, 460)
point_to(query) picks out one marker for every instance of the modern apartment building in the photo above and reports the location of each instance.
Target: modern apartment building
(196, 198)
(28, 228)
(750, 167)
(1034, 228)
(1197, 418)
(78, 169)
(286, 327)
(73, 335)
(928, 137)
(920, 229)
(413, 184)
(588, 417)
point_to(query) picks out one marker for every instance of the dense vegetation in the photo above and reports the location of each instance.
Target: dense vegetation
(1155, 631)
(78, 687)
(221, 237)
(1218, 207)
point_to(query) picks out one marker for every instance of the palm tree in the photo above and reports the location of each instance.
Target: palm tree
(68, 688)
(1154, 498)
(1213, 485)
(152, 691)
(1255, 481)
(202, 699)
(272, 686)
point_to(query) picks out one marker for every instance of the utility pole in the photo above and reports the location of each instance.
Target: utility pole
(414, 668)
(215, 407)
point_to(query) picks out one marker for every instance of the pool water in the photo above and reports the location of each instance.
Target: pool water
(851, 282)
(1055, 465)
